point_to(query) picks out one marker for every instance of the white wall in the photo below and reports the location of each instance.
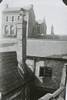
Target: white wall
(36, 47)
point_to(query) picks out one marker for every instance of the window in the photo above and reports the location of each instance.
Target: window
(41, 74)
(45, 71)
(12, 18)
(6, 29)
(7, 18)
(11, 29)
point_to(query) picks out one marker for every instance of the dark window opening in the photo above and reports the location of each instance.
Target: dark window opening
(45, 71)
(41, 71)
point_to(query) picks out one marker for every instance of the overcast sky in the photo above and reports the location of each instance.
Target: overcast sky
(54, 12)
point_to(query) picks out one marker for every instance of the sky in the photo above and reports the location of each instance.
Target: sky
(53, 11)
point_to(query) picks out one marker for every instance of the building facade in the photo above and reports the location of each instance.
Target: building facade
(17, 24)
(43, 28)
(10, 18)
(40, 29)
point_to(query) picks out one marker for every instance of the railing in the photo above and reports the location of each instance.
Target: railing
(53, 96)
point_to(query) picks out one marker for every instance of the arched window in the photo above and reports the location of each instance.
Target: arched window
(11, 29)
(6, 30)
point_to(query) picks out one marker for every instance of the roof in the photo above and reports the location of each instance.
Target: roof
(10, 78)
(52, 57)
(61, 56)
(16, 9)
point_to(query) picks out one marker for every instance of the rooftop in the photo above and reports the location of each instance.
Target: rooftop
(27, 8)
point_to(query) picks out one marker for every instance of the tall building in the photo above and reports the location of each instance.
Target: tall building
(40, 28)
(36, 30)
(17, 24)
(31, 21)
(10, 18)
(13, 27)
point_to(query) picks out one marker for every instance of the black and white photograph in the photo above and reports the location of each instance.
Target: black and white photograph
(33, 49)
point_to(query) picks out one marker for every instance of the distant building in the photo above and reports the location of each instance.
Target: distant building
(10, 18)
(31, 21)
(40, 29)
(43, 28)
(36, 30)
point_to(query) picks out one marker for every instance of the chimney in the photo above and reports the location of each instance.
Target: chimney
(21, 39)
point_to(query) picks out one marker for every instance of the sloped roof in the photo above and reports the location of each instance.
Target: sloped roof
(10, 78)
